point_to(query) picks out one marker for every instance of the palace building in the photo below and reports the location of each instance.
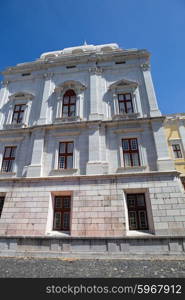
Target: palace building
(84, 162)
(175, 133)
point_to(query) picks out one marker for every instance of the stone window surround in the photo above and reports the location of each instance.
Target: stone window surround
(148, 209)
(179, 142)
(62, 211)
(49, 226)
(123, 87)
(15, 166)
(24, 98)
(141, 153)
(56, 153)
(78, 88)
(131, 152)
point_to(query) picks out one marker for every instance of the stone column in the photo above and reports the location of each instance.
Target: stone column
(95, 101)
(48, 89)
(154, 110)
(35, 168)
(164, 162)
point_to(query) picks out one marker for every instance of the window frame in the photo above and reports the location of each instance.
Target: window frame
(125, 101)
(175, 151)
(70, 104)
(9, 158)
(62, 210)
(130, 152)
(65, 154)
(18, 112)
(138, 209)
(19, 98)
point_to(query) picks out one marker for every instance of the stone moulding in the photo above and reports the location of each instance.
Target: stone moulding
(76, 58)
(90, 247)
(96, 176)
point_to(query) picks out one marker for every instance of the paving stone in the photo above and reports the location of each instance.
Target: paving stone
(76, 268)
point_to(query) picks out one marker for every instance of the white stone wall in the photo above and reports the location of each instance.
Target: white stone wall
(97, 102)
(98, 205)
(96, 145)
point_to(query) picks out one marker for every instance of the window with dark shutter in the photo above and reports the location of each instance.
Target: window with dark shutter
(125, 103)
(137, 213)
(130, 152)
(65, 159)
(177, 151)
(8, 159)
(69, 104)
(62, 208)
(18, 113)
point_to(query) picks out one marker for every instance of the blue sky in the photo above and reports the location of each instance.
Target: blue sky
(29, 28)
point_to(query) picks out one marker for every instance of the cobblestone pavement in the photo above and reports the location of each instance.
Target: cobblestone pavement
(70, 268)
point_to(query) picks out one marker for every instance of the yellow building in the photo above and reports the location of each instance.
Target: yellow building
(175, 133)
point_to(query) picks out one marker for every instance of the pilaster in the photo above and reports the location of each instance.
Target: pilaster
(48, 89)
(164, 162)
(95, 164)
(154, 110)
(35, 168)
(95, 87)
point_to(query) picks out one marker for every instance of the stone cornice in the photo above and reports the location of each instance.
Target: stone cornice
(81, 124)
(123, 238)
(74, 59)
(94, 176)
(41, 76)
(11, 139)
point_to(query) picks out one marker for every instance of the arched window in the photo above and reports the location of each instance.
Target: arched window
(69, 104)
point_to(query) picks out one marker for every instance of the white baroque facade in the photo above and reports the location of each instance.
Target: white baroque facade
(83, 152)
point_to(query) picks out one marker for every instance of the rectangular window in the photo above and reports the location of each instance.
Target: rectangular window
(1, 204)
(65, 160)
(177, 151)
(18, 113)
(137, 213)
(130, 152)
(8, 159)
(125, 103)
(62, 208)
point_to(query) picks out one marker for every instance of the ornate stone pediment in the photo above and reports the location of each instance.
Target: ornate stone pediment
(123, 84)
(70, 84)
(22, 96)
